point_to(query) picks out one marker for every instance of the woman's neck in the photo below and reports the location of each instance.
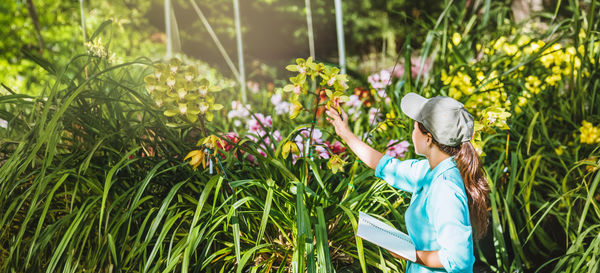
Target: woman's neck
(436, 156)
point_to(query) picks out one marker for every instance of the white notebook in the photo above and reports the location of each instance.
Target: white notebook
(386, 236)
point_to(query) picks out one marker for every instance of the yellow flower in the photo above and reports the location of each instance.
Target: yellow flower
(589, 133)
(510, 49)
(547, 60)
(288, 147)
(296, 107)
(559, 151)
(522, 101)
(523, 40)
(197, 158)
(499, 43)
(211, 142)
(534, 47)
(532, 84)
(456, 38)
(336, 163)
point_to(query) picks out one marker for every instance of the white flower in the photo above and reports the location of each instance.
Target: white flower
(183, 108)
(283, 108)
(276, 99)
(96, 48)
(354, 101)
(491, 117)
(181, 92)
(238, 110)
(3, 123)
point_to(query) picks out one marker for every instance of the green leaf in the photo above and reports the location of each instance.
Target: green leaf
(99, 29)
(171, 112)
(288, 88)
(192, 117)
(291, 67)
(209, 116)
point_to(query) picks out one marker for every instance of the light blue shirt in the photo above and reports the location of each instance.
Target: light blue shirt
(438, 215)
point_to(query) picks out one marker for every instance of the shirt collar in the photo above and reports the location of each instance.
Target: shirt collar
(443, 166)
(439, 169)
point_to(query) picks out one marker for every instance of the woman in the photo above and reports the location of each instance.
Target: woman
(449, 202)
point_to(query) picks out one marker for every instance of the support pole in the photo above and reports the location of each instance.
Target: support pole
(240, 51)
(236, 74)
(311, 38)
(82, 21)
(168, 28)
(340, 35)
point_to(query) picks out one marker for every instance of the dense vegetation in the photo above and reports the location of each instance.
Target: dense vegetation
(133, 163)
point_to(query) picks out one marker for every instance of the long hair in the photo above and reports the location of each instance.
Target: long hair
(476, 186)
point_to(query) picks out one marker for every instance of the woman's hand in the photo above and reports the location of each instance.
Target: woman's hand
(426, 258)
(340, 123)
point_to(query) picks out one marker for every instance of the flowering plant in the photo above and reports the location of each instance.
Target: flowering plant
(181, 92)
(332, 87)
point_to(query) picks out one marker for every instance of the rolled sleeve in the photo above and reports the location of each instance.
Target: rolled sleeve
(449, 212)
(403, 175)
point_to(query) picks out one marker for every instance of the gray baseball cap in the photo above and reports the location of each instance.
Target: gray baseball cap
(447, 119)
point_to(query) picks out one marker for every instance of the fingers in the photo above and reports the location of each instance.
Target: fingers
(332, 113)
(344, 115)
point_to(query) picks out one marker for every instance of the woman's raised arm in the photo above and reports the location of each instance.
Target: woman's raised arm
(365, 153)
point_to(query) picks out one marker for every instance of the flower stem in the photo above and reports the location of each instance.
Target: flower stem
(312, 128)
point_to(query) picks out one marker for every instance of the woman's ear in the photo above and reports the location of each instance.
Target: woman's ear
(429, 139)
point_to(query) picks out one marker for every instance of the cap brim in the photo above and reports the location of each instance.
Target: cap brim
(412, 104)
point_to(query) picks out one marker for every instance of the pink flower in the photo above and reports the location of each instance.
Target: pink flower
(254, 125)
(396, 148)
(380, 80)
(316, 136)
(277, 136)
(321, 152)
(253, 86)
(261, 152)
(297, 89)
(374, 115)
(231, 136)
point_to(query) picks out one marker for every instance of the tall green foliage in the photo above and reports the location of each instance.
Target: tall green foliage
(92, 174)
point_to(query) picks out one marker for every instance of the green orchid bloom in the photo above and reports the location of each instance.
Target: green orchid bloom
(336, 163)
(288, 147)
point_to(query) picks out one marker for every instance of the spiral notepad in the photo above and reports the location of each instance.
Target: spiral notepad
(386, 236)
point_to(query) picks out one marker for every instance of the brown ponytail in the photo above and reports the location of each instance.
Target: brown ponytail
(476, 186)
